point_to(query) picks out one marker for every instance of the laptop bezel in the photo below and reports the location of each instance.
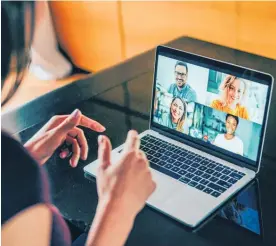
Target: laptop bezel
(239, 71)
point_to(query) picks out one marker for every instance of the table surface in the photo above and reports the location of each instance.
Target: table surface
(119, 98)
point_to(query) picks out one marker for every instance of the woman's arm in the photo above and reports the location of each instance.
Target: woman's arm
(30, 227)
(123, 189)
(111, 226)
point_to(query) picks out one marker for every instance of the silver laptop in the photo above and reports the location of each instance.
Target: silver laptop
(206, 133)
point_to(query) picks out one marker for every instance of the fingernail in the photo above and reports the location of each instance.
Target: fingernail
(101, 129)
(100, 139)
(75, 113)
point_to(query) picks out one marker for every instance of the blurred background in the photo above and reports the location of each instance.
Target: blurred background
(78, 37)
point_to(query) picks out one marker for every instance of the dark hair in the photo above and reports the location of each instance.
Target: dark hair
(14, 43)
(235, 117)
(180, 63)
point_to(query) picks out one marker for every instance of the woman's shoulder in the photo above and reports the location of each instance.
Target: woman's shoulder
(243, 112)
(24, 182)
(216, 103)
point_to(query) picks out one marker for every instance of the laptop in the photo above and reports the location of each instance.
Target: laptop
(206, 133)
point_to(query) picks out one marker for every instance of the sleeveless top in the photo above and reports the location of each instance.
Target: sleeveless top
(24, 184)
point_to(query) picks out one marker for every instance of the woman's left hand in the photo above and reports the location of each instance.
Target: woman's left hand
(61, 129)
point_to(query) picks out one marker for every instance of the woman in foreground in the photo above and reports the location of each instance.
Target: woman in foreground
(28, 217)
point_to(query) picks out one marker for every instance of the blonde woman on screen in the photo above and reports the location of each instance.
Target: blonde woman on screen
(233, 90)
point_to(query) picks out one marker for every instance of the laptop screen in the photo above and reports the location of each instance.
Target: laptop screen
(223, 111)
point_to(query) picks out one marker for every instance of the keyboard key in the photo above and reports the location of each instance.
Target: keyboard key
(168, 153)
(202, 168)
(184, 167)
(215, 194)
(195, 165)
(224, 177)
(155, 160)
(145, 149)
(168, 166)
(175, 150)
(191, 157)
(225, 171)
(200, 187)
(145, 138)
(157, 155)
(210, 171)
(164, 158)
(217, 174)
(166, 171)
(181, 159)
(193, 183)
(149, 145)
(155, 148)
(204, 181)
(219, 168)
(151, 152)
(208, 190)
(150, 157)
(198, 173)
(188, 162)
(197, 159)
(174, 156)
(163, 145)
(235, 176)
(216, 187)
(204, 162)
(184, 180)
(206, 176)
(161, 163)
(211, 165)
(182, 172)
(224, 184)
(196, 178)
(191, 170)
(177, 163)
(170, 161)
(143, 142)
(232, 181)
(189, 175)
(183, 154)
(242, 174)
(213, 179)
(175, 169)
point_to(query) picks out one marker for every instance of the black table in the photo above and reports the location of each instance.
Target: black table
(119, 98)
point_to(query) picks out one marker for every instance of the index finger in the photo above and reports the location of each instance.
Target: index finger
(85, 121)
(92, 124)
(132, 141)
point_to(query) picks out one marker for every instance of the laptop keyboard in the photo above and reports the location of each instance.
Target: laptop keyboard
(190, 168)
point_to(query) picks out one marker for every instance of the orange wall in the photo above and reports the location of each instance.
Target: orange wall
(100, 34)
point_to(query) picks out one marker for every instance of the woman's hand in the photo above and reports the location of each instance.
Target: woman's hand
(60, 129)
(123, 188)
(128, 183)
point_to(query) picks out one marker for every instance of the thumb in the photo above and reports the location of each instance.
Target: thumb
(71, 121)
(104, 151)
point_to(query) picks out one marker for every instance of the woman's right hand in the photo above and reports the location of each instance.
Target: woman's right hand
(128, 183)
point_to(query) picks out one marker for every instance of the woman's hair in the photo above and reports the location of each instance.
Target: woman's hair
(181, 121)
(229, 80)
(17, 18)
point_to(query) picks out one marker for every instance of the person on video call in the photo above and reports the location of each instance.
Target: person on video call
(180, 88)
(175, 119)
(233, 90)
(229, 140)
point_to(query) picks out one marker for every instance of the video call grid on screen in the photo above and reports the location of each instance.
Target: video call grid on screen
(233, 130)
